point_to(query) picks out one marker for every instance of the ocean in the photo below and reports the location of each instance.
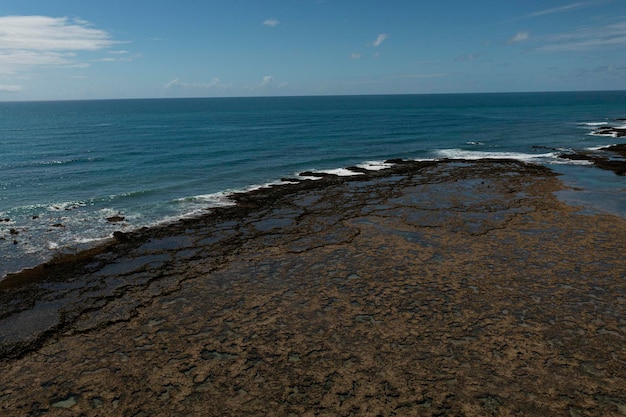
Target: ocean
(74, 172)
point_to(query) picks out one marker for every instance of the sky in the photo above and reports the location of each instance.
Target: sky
(84, 49)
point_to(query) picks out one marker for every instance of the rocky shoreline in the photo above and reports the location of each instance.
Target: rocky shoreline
(431, 288)
(611, 158)
(615, 132)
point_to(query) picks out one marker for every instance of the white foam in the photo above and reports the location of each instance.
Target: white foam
(87, 240)
(220, 199)
(608, 135)
(65, 206)
(565, 161)
(597, 148)
(268, 185)
(375, 165)
(549, 158)
(106, 212)
(593, 124)
(474, 155)
(341, 172)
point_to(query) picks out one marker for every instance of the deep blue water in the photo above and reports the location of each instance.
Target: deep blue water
(65, 167)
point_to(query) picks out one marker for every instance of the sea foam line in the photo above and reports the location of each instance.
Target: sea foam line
(594, 124)
(375, 165)
(550, 157)
(475, 155)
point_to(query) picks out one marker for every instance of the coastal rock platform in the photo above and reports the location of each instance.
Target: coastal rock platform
(430, 288)
(610, 158)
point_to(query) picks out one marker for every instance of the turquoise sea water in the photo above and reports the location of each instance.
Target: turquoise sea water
(67, 167)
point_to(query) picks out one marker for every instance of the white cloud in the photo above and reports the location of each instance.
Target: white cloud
(588, 39)
(267, 80)
(466, 57)
(604, 72)
(418, 75)
(12, 62)
(42, 33)
(118, 56)
(562, 9)
(355, 55)
(10, 88)
(271, 22)
(380, 39)
(519, 37)
(30, 41)
(178, 84)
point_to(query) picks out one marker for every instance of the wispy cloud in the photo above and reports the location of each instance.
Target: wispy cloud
(27, 41)
(267, 80)
(118, 56)
(271, 22)
(418, 75)
(519, 37)
(178, 84)
(42, 33)
(587, 39)
(466, 57)
(562, 9)
(355, 55)
(10, 88)
(380, 39)
(603, 72)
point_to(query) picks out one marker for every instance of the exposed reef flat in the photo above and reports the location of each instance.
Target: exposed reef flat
(432, 288)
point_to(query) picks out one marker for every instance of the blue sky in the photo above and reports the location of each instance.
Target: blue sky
(70, 49)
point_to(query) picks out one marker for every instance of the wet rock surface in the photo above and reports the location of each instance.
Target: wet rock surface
(613, 131)
(452, 288)
(611, 158)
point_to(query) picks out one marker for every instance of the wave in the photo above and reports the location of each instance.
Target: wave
(475, 155)
(66, 161)
(340, 172)
(608, 133)
(599, 147)
(544, 158)
(375, 165)
(593, 124)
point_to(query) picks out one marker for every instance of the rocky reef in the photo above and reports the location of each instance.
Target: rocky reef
(432, 288)
(611, 158)
(613, 131)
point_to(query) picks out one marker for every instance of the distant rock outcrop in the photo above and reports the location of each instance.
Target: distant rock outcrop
(616, 132)
(612, 158)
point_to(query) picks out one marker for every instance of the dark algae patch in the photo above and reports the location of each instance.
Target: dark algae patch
(433, 288)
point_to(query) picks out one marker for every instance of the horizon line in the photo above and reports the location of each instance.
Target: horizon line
(307, 96)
